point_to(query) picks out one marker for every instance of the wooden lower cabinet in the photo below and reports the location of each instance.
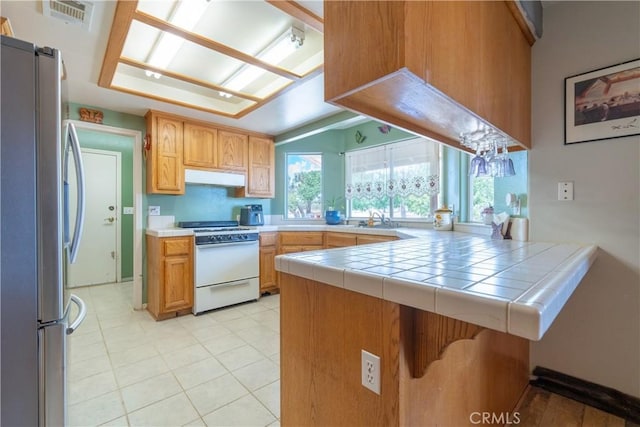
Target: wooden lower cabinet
(169, 276)
(268, 251)
(365, 239)
(301, 239)
(288, 242)
(339, 240)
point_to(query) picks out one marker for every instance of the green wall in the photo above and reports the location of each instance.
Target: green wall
(331, 145)
(124, 145)
(373, 135)
(517, 184)
(204, 202)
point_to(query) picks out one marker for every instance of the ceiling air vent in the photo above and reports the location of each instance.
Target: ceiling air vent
(70, 11)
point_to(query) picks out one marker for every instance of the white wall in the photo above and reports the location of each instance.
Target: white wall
(597, 335)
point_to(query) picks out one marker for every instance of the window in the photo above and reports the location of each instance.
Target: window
(304, 186)
(481, 195)
(400, 180)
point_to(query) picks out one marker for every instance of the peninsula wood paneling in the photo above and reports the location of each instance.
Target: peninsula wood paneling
(323, 330)
(486, 374)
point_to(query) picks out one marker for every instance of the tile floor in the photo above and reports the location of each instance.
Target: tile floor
(216, 369)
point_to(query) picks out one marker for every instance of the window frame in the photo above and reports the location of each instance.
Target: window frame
(433, 202)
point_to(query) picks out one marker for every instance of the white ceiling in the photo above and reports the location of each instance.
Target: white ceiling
(83, 53)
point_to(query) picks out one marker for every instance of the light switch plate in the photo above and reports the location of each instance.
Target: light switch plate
(127, 210)
(565, 190)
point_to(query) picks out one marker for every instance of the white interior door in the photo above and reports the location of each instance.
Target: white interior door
(97, 261)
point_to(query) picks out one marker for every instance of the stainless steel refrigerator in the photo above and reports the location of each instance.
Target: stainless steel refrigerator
(36, 241)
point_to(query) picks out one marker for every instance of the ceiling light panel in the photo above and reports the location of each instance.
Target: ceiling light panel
(246, 26)
(191, 59)
(134, 80)
(227, 57)
(196, 61)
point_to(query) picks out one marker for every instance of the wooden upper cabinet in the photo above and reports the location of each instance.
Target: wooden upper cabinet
(165, 173)
(436, 68)
(260, 169)
(232, 150)
(200, 146)
(176, 143)
(490, 74)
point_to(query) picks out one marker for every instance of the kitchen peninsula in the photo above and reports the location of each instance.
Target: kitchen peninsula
(449, 314)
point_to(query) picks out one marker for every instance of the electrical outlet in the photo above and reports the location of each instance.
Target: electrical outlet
(371, 371)
(154, 210)
(565, 190)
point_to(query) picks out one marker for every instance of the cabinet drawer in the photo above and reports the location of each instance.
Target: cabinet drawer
(304, 238)
(339, 240)
(367, 239)
(177, 246)
(268, 239)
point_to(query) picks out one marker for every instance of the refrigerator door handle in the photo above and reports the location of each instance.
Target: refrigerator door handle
(82, 307)
(79, 225)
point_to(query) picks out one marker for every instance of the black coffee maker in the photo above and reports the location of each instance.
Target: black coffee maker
(251, 215)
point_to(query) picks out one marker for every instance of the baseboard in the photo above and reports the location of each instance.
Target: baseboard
(591, 394)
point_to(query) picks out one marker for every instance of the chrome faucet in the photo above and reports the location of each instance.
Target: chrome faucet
(383, 220)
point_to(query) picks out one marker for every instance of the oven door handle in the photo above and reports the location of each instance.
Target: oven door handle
(217, 245)
(229, 284)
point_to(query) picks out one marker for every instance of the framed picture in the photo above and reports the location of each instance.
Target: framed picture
(603, 104)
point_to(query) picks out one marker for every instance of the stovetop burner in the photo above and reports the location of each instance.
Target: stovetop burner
(214, 232)
(209, 225)
(223, 229)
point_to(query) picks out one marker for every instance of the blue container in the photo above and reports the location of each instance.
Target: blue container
(332, 217)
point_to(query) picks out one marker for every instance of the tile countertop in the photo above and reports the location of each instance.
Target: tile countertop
(398, 232)
(506, 285)
(169, 232)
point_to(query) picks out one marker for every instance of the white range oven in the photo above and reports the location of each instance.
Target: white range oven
(226, 264)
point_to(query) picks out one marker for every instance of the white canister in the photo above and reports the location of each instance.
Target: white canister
(442, 219)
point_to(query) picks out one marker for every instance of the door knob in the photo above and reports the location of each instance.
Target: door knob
(111, 207)
(110, 219)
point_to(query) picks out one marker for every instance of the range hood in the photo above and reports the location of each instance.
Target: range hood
(222, 179)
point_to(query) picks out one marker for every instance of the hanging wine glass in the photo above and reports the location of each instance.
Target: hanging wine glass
(495, 163)
(507, 163)
(478, 166)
